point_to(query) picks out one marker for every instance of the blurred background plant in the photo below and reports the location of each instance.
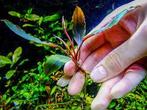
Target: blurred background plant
(27, 80)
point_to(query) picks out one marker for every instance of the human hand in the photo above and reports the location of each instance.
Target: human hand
(119, 65)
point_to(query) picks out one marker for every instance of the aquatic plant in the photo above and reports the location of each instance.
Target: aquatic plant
(36, 88)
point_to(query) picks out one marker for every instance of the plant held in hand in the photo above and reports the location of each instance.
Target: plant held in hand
(79, 31)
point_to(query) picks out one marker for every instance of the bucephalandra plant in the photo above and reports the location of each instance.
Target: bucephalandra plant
(79, 31)
(36, 87)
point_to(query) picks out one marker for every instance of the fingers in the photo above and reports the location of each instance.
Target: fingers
(103, 98)
(109, 17)
(69, 68)
(96, 57)
(76, 83)
(121, 57)
(115, 35)
(117, 87)
(133, 76)
(88, 47)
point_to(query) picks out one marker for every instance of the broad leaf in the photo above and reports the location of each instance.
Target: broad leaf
(10, 73)
(53, 17)
(17, 30)
(17, 54)
(32, 17)
(54, 63)
(79, 25)
(4, 60)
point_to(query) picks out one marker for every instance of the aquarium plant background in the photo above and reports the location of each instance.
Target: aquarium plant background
(25, 83)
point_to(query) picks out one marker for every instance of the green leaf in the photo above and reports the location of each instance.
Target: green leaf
(79, 25)
(27, 95)
(23, 62)
(8, 100)
(40, 20)
(27, 25)
(14, 13)
(53, 90)
(112, 105)
(17, 54)
(29, 11)
(50, 18)
(32, 17)
(4, 61)
(57, 29)
(10, 73)
(10, 54)
(54, 63)
(114, 21)
(17, 30)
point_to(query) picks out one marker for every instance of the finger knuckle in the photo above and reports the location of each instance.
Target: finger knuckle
(113, 63)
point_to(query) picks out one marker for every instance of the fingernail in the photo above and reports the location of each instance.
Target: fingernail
(98, 73)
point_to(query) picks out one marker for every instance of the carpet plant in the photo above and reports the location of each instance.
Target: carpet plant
(36, 88)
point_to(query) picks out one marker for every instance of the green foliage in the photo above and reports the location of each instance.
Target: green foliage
(4, 61)
(11, 58)
(16, 54)
(39, 28)
(17, 30)
(54, 63)
(50, 18)
(36, 88)
(10, 73)
(14, 13)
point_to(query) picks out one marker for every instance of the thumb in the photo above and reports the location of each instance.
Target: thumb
(123, 56)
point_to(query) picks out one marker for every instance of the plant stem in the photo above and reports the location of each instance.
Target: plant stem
(69, 38)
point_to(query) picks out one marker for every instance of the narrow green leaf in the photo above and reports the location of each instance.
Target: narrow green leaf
(53, 90)
(23, 62)
(40, 20)
(4, 61)
(8, 100)
(17, 54)
(10, 73)
(14, 13)
(79, 25)
(54, 63)
(27, 25)
(17, 30)
(50, 18)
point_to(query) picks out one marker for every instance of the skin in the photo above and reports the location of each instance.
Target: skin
(115, 57)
